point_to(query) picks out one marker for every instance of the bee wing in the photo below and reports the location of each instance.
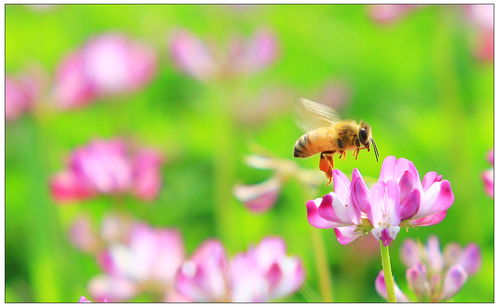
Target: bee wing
(315, 115)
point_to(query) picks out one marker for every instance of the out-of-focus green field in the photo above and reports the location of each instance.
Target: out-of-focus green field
(416, 82)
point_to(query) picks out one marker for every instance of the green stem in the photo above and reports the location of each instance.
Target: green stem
(387, 270)
(325, 283)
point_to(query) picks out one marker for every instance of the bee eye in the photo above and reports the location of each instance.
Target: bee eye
(363, 135)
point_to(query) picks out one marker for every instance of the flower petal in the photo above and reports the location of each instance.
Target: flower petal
(470, 259)
(410, 205)
(341, 185)
(410, 253)
(429, 179)
(436, 199)
(67, 187)
(111, 288)
(359, 193)
(334, 210)
(259, 197)
(314, 218)
(452, 253)
(385, 234)
(348, 234)
(381, 289)
(429, 220)
(416, 278)
(488, 182)
(454, 280)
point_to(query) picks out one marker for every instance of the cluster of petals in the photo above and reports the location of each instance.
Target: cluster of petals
(488, 175)
(146, 262)
(21, 94)
(243, 56)
(108, 64)
(431, 275)
(399, 198)
(262, 196)
(108, 167)
(263, 273)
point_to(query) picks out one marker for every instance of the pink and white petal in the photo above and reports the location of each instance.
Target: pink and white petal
(192, 56)
(385, 234)
(454, 280)
(341, 185)
(175, 297)
(260, 52)
(410, 205)
(381, 289)
(188, 283)
(471, 259)
(417, 281)
(434, 257)
(406, 184)
(170, 255)
(268, 251)
(259, 197)
(314, 218)
(147, 174)
(388, 169)
(429, 220)
(429, 179)
(336, 211)
(111, 288)
(348, 234)
(359, 192)
(438, 198)
(293, 276)
(410, 253)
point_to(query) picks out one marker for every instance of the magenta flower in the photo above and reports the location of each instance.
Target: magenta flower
(21, 94)
(262, 196)
(148, 261)
(488, 175)
(108, 167)
(396, 200)
(108, 64)
(433, 276)
(261, 274)
(244, 57)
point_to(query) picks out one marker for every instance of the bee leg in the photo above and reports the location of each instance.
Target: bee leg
(343, 154)
(356, 153)
(326, 164)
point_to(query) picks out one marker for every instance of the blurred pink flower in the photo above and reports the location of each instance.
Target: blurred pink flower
(21, 93)
(84, 300)
(433, 276)
(244, 57)
(481, 17)
(108, 167)
(389, 13)
(263, 273)
(262, 196)
(108, 64)
(82, 235)
(488, 175)
(148, 261)
(397, 199)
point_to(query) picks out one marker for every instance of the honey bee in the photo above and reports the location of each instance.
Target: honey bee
(327, 135)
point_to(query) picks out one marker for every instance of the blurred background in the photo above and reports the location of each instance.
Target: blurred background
(207, 85)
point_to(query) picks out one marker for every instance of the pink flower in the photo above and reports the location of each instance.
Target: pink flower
(260, 197)
(488, 175)
(389, 13)
(481, 16)
(148, 261)
(82, 235)
(21, 93)
(433, 276)
(108, 167)
(108, 64)
(261, 274)
(397, 199)
(84, 300)
(244, 57)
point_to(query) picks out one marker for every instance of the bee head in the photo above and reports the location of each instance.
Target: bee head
(366, 138)
(365, 134)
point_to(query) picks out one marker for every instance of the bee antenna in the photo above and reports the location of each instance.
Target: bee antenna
(376, 153)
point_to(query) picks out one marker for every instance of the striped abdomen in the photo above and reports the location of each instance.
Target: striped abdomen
(318, 140)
